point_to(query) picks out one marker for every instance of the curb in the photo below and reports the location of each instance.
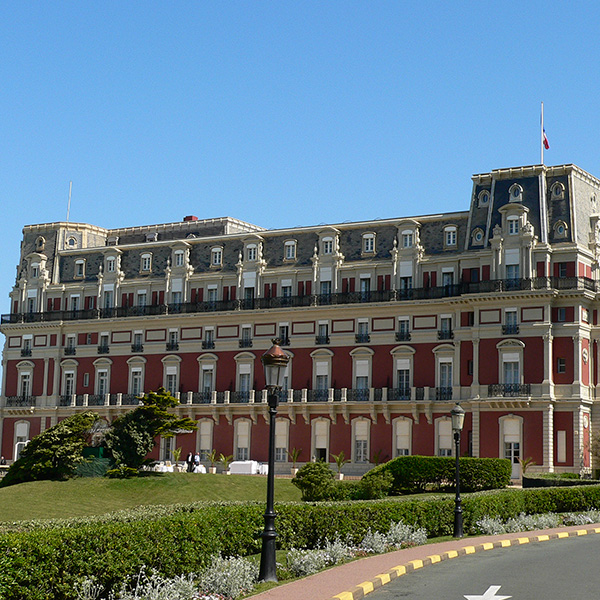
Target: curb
(362, 589)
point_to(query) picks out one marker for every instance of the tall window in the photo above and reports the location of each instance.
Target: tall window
(444, 437)
(368, 243)
(135, 385)
(79, 268)
(242, 439)
(141, 298)
(281, 440)
(361, 441)
(407, 239)
(205, 428)
(109, 298)
(25, 384)
(207, 381)
(69, 383)
(209, 338)
(178, 258)
(513, 225)
(325, 288)
(110, 264)
(102, 382)
(402, 431)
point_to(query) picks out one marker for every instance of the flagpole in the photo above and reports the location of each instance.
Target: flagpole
(542, 135)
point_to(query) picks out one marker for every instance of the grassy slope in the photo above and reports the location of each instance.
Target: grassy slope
(80, 497)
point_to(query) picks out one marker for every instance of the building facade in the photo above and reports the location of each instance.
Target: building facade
(387, 324)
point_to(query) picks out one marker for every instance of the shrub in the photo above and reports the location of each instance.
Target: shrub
(54, 454)
(121, 472)
(315, 481)
(230, 577)
(414, 474)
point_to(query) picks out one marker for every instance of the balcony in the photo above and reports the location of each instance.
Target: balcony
(358, 395)
(245, 343)
(285, 342)
(362, 338)
(201, 397)
(509, 390)
(26, 352)
(445, 334)
(403, 336)
(103, 349)
(512, 329)
(20, 401)
(395, 394)
(172, 346)
(415, 294)
(131, 399)
(443, 393)
(240, 397)
(137, 347)
(70, 351)
(97, 400)
(208, 344)
(321, 340)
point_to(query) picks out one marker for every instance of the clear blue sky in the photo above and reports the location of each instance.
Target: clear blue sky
(281, 113)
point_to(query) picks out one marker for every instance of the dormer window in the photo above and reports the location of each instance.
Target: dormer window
(407, 239)
(72, 242)
(113, 240)
(483, 198)
(111, 262)
(560, 230)
(515, 193)
(290, 250)
(513, 225)
(79, 268)
(369, 243)
(178, 258)
(557, 191)
(450, 237)
(35, 270)
(152, 237)
(327, 245)
(216, 257)
(477, 237)
(251, 252)
(146, 262)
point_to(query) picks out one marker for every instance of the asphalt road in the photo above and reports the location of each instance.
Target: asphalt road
(552, 570)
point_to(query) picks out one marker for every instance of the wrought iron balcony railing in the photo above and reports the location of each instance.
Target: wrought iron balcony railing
(511, 329)
(20, 401)
(425, 293)
(403, 336)
(509, 390)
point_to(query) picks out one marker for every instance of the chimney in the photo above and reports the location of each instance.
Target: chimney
(190, 218)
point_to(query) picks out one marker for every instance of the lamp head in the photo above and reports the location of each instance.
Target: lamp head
(458, 417)
(274, 362)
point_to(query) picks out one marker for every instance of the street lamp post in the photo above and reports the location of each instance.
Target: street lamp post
(274, 361)
(458, 419)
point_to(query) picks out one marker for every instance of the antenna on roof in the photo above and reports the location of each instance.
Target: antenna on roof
(69, 204)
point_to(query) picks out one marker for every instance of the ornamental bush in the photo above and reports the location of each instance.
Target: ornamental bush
(415, 474)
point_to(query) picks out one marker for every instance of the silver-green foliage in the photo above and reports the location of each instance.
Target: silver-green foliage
(230, 577)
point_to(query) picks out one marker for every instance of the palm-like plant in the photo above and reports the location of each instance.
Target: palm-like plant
(340, 460)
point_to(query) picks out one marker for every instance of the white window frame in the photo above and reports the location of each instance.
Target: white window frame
(216, 256)
(441, 432)
(236, 438)
(405, 422)
(146, 262)
(368, 243)
(289, 250)
(450, 236)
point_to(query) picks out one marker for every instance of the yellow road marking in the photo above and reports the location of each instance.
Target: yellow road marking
(435, 558)
(384, 578)
(417, 564)
(452, 554)
(505, 543)
(543, 538)
(523, 540)
(367, 587)
(469, 549)
(487, 546)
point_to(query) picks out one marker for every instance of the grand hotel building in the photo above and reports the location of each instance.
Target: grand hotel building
(387, 324)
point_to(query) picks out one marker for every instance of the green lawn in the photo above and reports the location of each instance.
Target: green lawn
(87, 496)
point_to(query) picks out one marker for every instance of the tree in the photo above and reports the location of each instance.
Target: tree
(133, 435)
(55, 453)
(315, 481)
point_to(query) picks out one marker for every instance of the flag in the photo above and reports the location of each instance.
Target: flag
(545, 139)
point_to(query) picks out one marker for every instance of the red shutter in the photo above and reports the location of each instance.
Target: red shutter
(571, 269)
(308, 288)
(225, 293)
(380, 283)
(426, 279)
(301, 288)
(15, 307)
(155, 297)
(433, 279)
(466, 275)
(273, 290)
(344, 285)
(485, 273)
(161, 297)
(49, 305)
(233, 292)
(541, 269)
(56, 303)
(123, 299)
(267, 292)
(352, 283)
(388, 282)
(556, 267)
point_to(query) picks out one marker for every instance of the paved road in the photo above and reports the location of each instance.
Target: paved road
(554, 570)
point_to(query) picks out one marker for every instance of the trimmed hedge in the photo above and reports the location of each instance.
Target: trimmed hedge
(413, 474)
(46, 563)
(557, 481)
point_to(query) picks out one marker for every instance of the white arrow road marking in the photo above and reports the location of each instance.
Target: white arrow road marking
(490, 594)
